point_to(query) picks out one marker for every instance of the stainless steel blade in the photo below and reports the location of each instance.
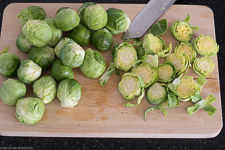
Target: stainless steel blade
(148, 15)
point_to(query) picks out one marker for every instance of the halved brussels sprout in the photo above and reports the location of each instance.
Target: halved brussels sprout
(61, 45)
(167, 72)
(28, 71)
(31, 13)
(152, 60)
(186, 49)
(124, 56)
(93, 65)
(205, 46)
(69, 92)
(29, 110)
(203, 66)
(82, 10)
(12, 90)
(22, 44)
(45, 89)
(61, 8)
(118, 21)
(157, 93)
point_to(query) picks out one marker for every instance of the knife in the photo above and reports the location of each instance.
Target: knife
(148, 15)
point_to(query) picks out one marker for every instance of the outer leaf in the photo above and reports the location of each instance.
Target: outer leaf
(159, 28)
(107, 75)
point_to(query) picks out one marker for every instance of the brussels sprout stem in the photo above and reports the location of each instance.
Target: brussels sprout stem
(5, 50)
(107, 75)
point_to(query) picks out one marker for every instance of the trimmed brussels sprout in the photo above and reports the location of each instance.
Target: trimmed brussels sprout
(43, 56)
(167, 72)
(186, 49)
(72, 55)
(95, 17)
(61, 45)
(22, 44)
(148, 74)
(102, 39)
(81, 35)
(124, 56)
(61, 8)
(37, 32)
(118, 21)
(203, 66)
(93, 65)
(60, 72)
(205, 46)
(28, 71)
(69, 92)
(29, 110)
(31, 13)
(152, 60)
(157, 93)
(45, 89)
(82, 10)
(12, 90)
(67, 19)
(56, 33)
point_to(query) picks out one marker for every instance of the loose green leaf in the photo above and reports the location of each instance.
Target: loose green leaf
(107, 75)
(5, 50)
(159, 28)
(173, 101)
(138, 100)
(210, 110)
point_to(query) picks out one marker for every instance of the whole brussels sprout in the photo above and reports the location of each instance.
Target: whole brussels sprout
(31, 13)
(11, 91)
(28, 71)
(118, 21)
(60, 72)
(102, 39)
(167, 72)
(69, 92)
(186, 49)
(203, 66)
(67, 19)
(82, 10)
(157, 94)
(72, 55)
(81, 35)
(30, 110)
(61, 8)
(43, 56)
(93, 65)
(22, 44)
(37, 32)
(45, 89)
(61, 45)
(95, 17)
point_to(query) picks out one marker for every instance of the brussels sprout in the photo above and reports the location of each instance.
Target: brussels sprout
(11, 91)
(81, 35)
(72, 55)
(118, 21)
(152, 60)
(186, 49)
(60, 72)
(157, 93)
(82, 10)
(37, 32)
(203, 66)
(205, 46)
(43, 56)
(29, 110)
(28, 71)
(56, 33)
(167, 72)
(95, 17)
(22, 44)
(31, 13)
(69, 92)
(45, 89)
(102, 39)
(61, 45)
(67, 19)
(93, 65)
(61, 8)
(148, 74)
(124, 56)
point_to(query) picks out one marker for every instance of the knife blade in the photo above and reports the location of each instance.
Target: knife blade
(148, 15)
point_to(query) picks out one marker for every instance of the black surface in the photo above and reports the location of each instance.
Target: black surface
(218, 7)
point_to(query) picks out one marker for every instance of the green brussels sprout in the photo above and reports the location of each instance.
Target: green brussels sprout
(43, 56)
(69, 92)
(157, 93)
(29, 110)
(81, 35)
(148, 74)
(61, 8)
(72, 55)
(118, 21)
(22, 44)
(56, 33)
(125, 56)
(37, 32)
(82, 10)
(67, 19)
(60, 72)
(93, 65)
(12, 90)
(45, 89)
(205, 46)
(203, 66)
(95, 17)
(167, 72)
(61, 45)
(186, 49)
(31, 13)
(28, 71)
(152, 60)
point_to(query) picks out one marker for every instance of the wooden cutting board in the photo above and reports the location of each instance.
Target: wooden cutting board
(100, 112)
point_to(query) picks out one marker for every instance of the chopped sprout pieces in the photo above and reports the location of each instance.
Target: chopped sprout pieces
(167, 72)
(157, 93)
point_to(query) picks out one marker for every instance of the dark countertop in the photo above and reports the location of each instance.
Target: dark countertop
(218, 7)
